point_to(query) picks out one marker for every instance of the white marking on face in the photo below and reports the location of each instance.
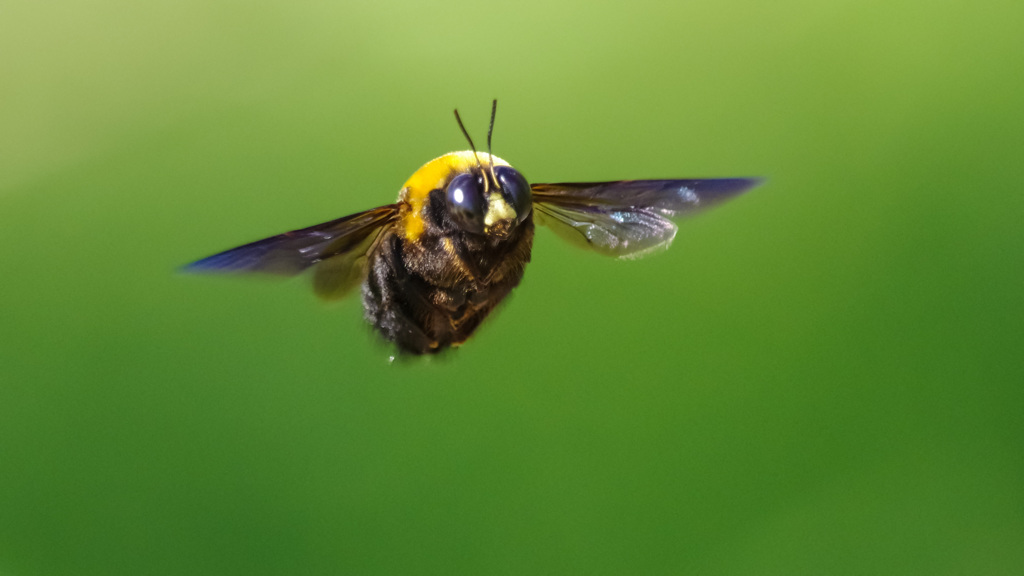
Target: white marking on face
(498, 210)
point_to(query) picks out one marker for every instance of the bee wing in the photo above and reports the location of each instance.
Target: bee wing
(628, 218)
(337, 248)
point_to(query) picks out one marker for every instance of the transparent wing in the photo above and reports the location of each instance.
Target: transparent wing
(336, 276)
(337, 248)
(628, 218)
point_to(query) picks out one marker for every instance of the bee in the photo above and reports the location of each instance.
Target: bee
(435, 263)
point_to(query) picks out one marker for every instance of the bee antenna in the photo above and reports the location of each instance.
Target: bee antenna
(490, 130)
(471, 145)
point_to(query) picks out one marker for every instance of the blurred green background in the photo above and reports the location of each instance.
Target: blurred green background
(821, 377)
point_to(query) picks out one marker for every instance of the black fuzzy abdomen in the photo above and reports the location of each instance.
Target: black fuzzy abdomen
(433, 293)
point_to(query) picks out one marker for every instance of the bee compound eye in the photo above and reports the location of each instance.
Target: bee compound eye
(515, 189)
(466, 203)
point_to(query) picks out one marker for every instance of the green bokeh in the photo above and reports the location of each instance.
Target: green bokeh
(822, 377)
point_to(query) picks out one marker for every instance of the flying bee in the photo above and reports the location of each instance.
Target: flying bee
(435, 263)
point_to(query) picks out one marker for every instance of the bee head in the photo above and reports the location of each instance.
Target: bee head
(489, 202)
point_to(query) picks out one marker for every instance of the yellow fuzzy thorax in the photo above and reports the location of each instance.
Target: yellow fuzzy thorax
(431, 176)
